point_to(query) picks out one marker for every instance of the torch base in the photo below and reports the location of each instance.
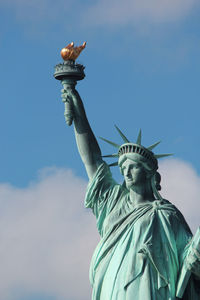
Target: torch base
(69, 70)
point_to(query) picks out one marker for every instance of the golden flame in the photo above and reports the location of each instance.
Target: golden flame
(70, 52)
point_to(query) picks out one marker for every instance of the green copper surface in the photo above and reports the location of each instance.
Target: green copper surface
(122, 135)
(109, 142)
(139, 138)
(142, 247)
(153, 146)
(68, 73)
(145, 250)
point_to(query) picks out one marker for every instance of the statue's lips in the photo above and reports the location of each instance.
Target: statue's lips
(129, 179)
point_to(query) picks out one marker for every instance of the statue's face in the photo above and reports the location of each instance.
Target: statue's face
(134, 173)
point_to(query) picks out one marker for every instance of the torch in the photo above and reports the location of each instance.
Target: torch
(69, 72)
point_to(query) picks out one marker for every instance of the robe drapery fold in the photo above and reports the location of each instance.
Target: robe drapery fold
(142, 247)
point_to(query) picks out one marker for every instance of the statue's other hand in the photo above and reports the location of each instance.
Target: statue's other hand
(193, 262)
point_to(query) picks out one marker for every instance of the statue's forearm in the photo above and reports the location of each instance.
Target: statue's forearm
(86, 142)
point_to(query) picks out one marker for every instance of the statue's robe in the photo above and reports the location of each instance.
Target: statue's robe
(142, 247)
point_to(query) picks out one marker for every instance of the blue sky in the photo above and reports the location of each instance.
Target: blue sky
(142, 71)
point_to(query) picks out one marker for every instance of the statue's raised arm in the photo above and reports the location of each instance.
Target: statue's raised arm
(146, 250)
(86, 142)
(69, 73)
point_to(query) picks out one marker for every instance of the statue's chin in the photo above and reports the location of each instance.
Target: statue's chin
(129, 185)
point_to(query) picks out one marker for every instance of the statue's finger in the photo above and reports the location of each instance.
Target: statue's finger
(68, 88)
(195, 268)
(196, 265)
(67, 99)
(64, 97)
(71, 92)
(196, 253)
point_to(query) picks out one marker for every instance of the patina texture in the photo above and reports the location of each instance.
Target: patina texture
(146, 251)
(142, 247)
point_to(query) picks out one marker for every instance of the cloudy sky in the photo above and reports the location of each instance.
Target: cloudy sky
(142, 71)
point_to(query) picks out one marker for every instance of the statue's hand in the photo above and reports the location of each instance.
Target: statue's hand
(69, 92)
(69, 112)
(64, 95)
(193, 262)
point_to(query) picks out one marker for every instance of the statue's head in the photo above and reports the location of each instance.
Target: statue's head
(137, 163)
(140, 154)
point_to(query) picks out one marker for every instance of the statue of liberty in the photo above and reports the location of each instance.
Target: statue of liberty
(146, 251)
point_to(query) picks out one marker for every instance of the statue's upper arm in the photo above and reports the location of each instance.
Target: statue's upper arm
(91, 169)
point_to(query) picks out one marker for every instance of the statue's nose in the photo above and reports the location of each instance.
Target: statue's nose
(127, 172)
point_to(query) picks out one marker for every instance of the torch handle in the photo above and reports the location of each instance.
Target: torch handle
(68, 113)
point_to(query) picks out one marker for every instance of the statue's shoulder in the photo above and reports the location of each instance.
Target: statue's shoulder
(172, 213)
(163, 204)
(166, 207)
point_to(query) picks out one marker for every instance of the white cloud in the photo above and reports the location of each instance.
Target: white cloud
(47, 237)
(181, 186)
(117, 12)
(101, 12)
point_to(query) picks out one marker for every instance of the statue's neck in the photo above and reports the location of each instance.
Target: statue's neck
(140, 194)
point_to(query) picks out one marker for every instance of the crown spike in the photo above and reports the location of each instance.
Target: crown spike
(111, 155)
(139, 138)
(163, 155)
(113, 164)
(122, 135)
(153, 146)
(109, 142)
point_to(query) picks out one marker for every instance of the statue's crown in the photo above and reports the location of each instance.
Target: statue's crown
(136, 148)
